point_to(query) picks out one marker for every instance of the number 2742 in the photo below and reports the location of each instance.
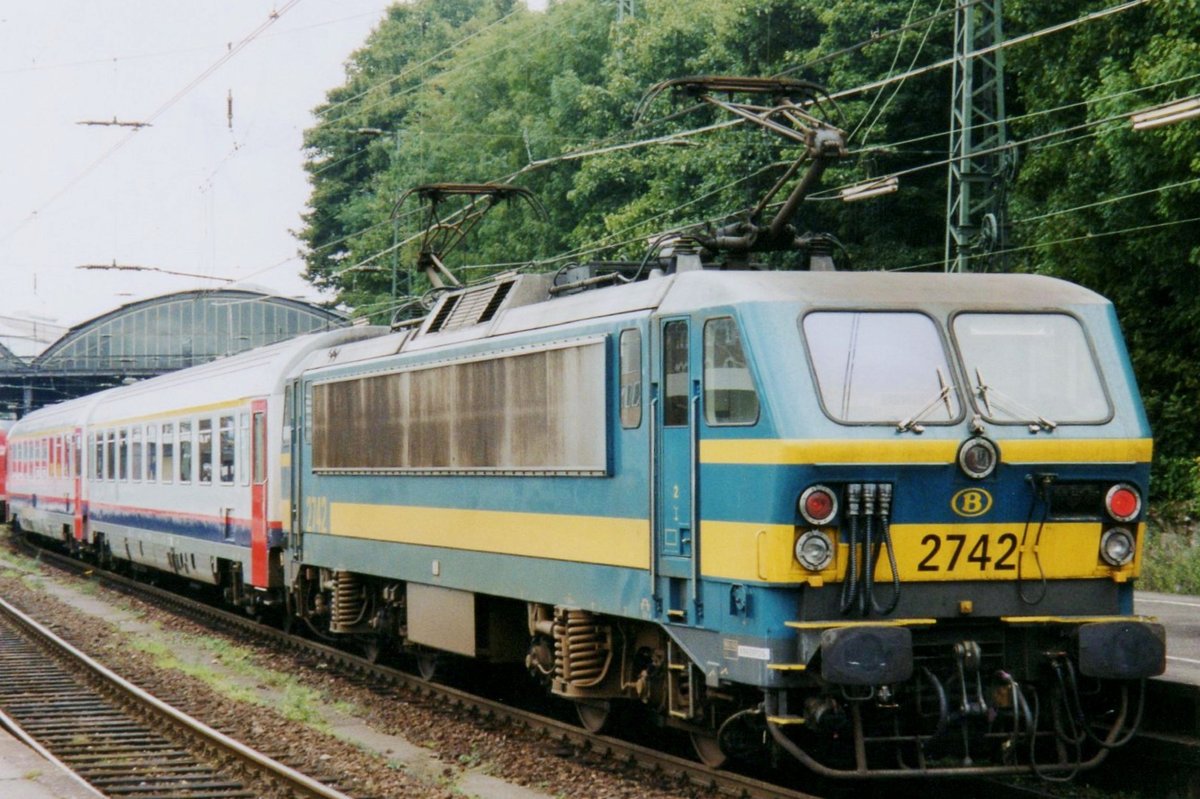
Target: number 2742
(949, 552)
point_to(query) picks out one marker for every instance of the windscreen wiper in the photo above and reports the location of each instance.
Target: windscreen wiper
(943, 397)
(1006, 404)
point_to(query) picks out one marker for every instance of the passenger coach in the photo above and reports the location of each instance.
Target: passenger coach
(173, 473)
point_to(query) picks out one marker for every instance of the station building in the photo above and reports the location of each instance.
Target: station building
(150, 337)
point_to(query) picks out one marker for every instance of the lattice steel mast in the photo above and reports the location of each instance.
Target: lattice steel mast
(976, 222)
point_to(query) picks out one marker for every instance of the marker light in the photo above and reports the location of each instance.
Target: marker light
(1123, 502)
(1116, 547)
(818, 505)
(814, 550)
(977, 457)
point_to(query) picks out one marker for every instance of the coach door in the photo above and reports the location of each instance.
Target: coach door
(676, 488)
(75, 465)
(259, 555)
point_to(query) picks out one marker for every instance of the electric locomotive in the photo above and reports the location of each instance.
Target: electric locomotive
(886, 524)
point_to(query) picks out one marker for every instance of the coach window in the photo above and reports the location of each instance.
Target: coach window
(135, 441)
(123, 454)
(204, 448)
(110, 455)
(168, 452)
(185, 452)
(729, 394)
(227, 449)
(151, 453)
(96, 445)
(631, 378)
(675, 374)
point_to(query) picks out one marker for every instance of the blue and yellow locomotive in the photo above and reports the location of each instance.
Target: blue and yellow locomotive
(898, 510)
(885, 523)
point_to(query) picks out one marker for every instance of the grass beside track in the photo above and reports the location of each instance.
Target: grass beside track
(1171, 557)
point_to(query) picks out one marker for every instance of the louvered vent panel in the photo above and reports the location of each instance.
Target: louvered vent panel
(470, 308)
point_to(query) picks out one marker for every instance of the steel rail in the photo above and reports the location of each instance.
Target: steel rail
(650, 761)
(302, 786)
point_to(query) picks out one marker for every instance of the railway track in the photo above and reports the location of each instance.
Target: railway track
(119, 739)
(664, 766)
(564, 736)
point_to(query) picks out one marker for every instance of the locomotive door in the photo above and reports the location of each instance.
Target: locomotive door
(678, 540)
(259, 555)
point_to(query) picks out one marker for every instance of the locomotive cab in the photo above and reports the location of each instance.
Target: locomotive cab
(956, 468)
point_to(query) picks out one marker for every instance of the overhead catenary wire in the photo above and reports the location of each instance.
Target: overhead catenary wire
(1066, 240)
(410, 68)
(232, 52)
(892, 146)
(876, 38)
(899, 86)
(508, 45)
(847, 92)
(1100, 14)
(892, 68)
(891, 79)
(832, 193)
(667, 138)
(109, 61)
(1107, 201)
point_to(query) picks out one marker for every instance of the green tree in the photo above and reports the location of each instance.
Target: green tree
(1112, 208)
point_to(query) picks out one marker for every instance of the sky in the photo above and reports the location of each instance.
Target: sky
(190, 193)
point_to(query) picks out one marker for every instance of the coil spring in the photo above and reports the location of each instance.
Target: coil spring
(349, 602)
(582, 648)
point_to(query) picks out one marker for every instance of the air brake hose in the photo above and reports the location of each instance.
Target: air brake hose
(885, 525)
(866, 599)
(850, 581)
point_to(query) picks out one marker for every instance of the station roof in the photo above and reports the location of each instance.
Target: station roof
(154, 336)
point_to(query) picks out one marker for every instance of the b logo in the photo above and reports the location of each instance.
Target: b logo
(971, 502)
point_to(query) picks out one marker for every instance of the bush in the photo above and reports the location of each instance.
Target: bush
(1170, 557)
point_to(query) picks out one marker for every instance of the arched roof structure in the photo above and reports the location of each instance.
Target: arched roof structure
(183, 329)
(154, 336)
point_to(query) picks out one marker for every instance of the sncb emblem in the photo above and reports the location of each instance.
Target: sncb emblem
(971, 502)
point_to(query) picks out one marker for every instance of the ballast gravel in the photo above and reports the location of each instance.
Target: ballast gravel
(369, 742)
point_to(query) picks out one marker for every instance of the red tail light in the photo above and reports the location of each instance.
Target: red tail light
(1123, 502)
(818, 505)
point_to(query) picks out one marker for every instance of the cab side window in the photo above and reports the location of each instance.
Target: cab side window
(631, 378)
(730, 397)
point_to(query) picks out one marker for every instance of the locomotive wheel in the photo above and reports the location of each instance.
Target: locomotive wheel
(288, 622)
(708, 749)
(594, 714)
(371, 648)
(428, 665)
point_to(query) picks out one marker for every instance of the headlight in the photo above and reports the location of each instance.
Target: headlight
(977, 457)
(818, 505)
(1116, 547)
(814, 550)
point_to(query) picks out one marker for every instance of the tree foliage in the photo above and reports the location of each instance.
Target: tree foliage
(484, 90)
